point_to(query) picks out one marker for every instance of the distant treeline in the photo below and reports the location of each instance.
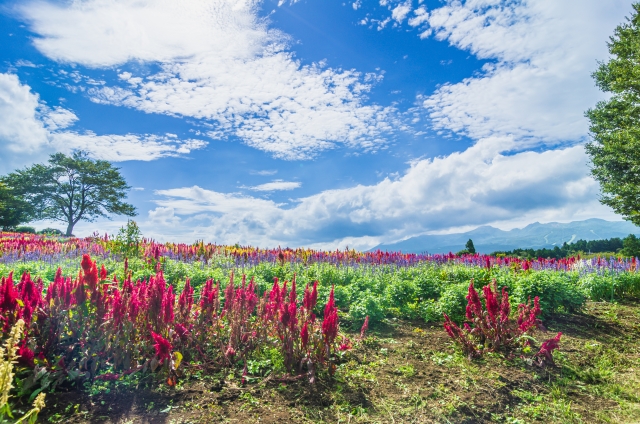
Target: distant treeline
(629, 246)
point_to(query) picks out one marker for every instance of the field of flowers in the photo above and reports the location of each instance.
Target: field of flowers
(105, 309)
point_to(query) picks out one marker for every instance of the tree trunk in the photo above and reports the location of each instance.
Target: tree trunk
(69, 230)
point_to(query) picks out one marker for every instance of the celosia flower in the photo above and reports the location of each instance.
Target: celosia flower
(304, 335)
(491, 302)
(162, 346)
(167, 305)
(26, 355)
(330, 321)
(90, 273)
(505, 307)
(474, 307)
(365, 327)
(548, 346)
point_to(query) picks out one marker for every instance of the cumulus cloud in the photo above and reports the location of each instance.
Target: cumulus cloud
(30, 130)
(219, 62)
(20, 128)
(481, 185)
(539, 84)
(400, 12)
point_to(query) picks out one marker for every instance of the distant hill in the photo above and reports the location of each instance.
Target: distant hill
(488, 239)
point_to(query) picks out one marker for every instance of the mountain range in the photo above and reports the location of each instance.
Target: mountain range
(487, 239)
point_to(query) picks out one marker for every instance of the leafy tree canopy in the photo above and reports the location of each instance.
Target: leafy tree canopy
(71, 189)
(615, 123)
(14, 210)
(470, 247)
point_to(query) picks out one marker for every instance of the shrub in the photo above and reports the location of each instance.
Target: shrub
(25, 229)
(452, 302)
(369, 305)
(51, 232)
(93, 327)
(489, 328)
(597, 287)
(557, 291)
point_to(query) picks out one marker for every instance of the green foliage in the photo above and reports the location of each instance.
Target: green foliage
(14, 210)
(25, 229)
(615, 122)
(614, 245)
(453, 302)
(558, 292)
(610, 286)
(597, 287)
(470, 247)
(70, 189)
(127, 241)
(51, 231)
(368, 304)
(631, 246)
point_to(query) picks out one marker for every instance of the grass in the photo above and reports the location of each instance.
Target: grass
(406, 372)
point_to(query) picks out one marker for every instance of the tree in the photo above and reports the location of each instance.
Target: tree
(615, 123)
(631, 246)
(470, 247)
(14, 210)
(71, 189)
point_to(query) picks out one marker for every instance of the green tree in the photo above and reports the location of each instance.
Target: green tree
(14, 210)
(631, 246)
(615, 123)
(127, 241)
(71, 189)
(470, 247)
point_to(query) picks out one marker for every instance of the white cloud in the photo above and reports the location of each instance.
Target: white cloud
(276, 185)
(400, 12)
(20, 128)
(219, 62)
(539, 85)
(58, 118)
(265, 172)
(119, 148)
(30, 131)
(483, 185)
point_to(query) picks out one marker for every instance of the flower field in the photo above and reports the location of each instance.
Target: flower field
(105, 314)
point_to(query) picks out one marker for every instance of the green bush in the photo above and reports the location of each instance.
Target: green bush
(368, 304)
(558, 292)
(453, 302)
(51, 232)
(627, 284)
(597, 287)
(25, 229)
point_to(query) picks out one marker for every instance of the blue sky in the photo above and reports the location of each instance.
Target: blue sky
(313, 123)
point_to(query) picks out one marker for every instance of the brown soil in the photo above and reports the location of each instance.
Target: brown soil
(408, 372)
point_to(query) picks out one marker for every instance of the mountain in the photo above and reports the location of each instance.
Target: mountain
(488, 239)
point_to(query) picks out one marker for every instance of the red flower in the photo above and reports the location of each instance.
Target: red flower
(304, 335)
(474, 307)
(547, 348)
(26, 356)
(365, 327)
(163, 346)
(330, 321)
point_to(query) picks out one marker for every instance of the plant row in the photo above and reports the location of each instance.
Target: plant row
(94, 327)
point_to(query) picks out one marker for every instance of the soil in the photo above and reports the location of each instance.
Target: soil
(407, 372)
